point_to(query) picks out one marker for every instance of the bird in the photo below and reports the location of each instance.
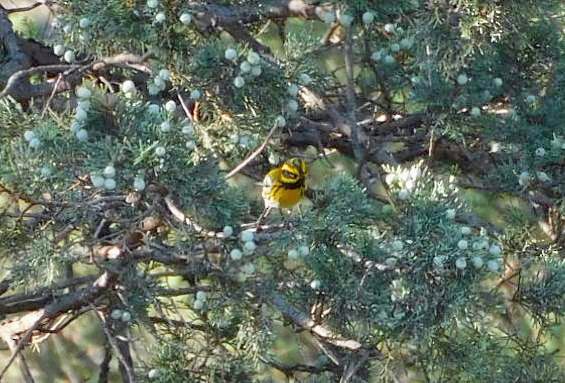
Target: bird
(284, 186)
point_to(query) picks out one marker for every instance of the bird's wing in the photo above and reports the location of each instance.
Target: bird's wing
(268, 183)
(270, 178)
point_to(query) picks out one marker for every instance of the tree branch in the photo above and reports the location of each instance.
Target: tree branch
(291, 369)
(24, 368)
(122, 352)
(28, 7)
(254, 154)
(43, 318)
(26, 302)
(105, 364)
(325, 333)
(17, 59)
(216, 14)
(358, 141)
(19, 88)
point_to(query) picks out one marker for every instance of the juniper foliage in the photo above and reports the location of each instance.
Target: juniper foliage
(387, 277)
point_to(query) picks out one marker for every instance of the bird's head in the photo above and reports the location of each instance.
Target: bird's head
(293, 170)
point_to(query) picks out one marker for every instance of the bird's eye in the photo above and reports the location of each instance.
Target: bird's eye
(299, 165)
(288, 174)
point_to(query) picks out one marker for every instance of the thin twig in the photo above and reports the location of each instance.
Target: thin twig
(55, 87)
(254, 154)
(432, 143)
(297, 367)
(357, 141)
(71, 301)
(353, 367)
(14, 78)
(21, 344)
(332, 355)
(105, 365)
(24, 368)
(179, 215)
(115, 346)
(303, 320)
(185, 107)
(123, 59)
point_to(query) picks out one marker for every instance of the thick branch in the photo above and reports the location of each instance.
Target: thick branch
(27, 7)
(17, 59)
(42, 320)
(38, 299)
(278, 9)
(5, 286)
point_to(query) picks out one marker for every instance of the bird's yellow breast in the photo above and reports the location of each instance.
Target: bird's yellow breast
(280, 195)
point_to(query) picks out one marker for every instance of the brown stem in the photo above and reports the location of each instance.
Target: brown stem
(121, 348)
(26, 8)
(105, 364)
(253, 154)
(356, 137)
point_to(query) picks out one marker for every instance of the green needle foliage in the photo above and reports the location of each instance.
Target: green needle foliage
(387, 275)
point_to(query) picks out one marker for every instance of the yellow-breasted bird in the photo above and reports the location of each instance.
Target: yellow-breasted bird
(284, 186)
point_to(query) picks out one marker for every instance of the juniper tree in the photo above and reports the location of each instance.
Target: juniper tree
(133, 131)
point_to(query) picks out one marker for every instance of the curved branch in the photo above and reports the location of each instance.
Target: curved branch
(28, 7)
(19, 88)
